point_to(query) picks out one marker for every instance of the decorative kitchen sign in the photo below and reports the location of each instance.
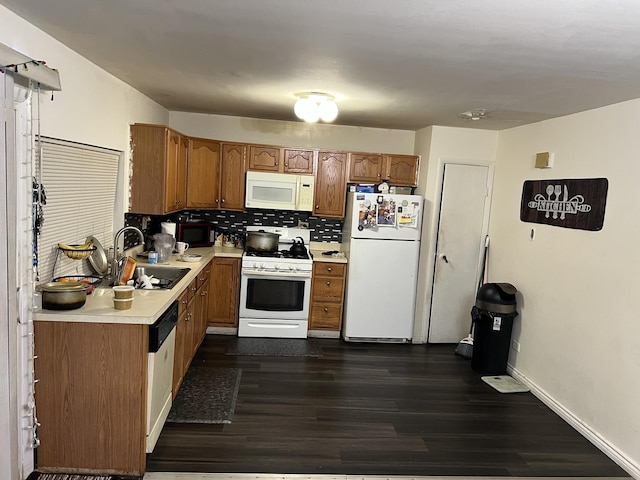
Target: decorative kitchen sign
(570, 203)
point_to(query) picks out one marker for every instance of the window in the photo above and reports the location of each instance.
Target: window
(80, 183)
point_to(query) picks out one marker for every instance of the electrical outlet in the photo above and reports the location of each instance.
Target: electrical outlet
(515, 345)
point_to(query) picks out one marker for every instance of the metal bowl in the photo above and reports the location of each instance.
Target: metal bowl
(63, 295)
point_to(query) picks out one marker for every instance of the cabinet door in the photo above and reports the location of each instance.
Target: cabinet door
(331, 185)
(264, 158)
(401, 169)
(232, 184)
(365, 168)
(181, 341)
(181, 173)
(202, 307)
(171, 172)
(203, 177)
(149, 145)
(298, 161)
(224, 290)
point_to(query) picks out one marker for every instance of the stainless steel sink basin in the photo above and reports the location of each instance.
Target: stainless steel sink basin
(168, 276)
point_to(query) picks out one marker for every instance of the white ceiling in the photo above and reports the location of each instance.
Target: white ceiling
(403, 64)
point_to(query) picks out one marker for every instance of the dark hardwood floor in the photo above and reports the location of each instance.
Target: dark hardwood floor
(375, 409)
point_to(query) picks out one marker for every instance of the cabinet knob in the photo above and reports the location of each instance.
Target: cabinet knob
(379, 175)
(328, 269)
(326, 310)
(317, 206)
(276, 164)
(223, 200)
(328, 283)
(217, 201)
(204, 293)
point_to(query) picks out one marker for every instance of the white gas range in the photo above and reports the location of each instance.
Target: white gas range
(275, 288)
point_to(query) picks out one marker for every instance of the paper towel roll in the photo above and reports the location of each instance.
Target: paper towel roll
(168, 227)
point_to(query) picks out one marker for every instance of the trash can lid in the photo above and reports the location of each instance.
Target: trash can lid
(497, 297)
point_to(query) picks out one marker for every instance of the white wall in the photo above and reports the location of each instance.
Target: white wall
(438, 145)
(298, 134)
(94, 108)
(578, 325)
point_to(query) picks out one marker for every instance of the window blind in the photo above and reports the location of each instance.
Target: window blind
(80, 183)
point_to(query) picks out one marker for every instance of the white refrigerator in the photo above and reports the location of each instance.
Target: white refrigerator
(381, 236)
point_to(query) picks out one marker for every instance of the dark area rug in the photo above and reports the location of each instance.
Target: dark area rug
(274, 347)
(207, 395)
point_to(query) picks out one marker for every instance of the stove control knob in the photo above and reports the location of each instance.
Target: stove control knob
(297, 268)
(255, 265)
(276, 267)
(290, 267)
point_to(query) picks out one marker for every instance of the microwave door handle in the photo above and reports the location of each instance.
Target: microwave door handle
(298, 186)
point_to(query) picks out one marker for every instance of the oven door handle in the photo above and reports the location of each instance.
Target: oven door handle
(276, 274)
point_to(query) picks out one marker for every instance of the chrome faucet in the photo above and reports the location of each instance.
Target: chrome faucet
(115, 262)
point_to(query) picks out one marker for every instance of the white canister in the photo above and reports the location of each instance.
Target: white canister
(168, 227)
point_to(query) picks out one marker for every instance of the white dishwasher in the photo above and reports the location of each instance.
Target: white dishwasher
(162, 341)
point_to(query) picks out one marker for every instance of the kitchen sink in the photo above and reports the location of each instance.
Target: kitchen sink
(167, 277)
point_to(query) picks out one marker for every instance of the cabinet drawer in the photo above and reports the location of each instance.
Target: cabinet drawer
(326, 316)
(327, 289)
(329, 269)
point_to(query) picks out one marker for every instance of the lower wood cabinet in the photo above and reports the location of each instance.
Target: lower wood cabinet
(91, 396)
(224, 292)
(327, 295)
(193, 307)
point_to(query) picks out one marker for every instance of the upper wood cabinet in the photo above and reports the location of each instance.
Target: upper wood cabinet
(266, 158)
(375, 168)
(331, 185)
(298, 161)
(365, 168)
(232, 184)
(203, 177)
(401, 169)
(159, 169)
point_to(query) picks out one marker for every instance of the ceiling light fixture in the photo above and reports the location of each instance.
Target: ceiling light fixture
(314, 106)
(477, 114)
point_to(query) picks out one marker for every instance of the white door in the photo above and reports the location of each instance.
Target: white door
(458, 249)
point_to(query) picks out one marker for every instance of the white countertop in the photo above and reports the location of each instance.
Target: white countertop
(147, 306)
(316, 249)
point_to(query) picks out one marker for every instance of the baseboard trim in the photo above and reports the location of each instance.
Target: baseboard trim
(585, 430)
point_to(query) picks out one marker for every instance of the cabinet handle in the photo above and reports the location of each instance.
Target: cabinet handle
(203, 293)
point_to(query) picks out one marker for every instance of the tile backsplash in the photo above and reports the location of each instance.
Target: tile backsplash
(226, 221)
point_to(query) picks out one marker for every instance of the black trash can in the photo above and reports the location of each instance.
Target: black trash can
(492, 317)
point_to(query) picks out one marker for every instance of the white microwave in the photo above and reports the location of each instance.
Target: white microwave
(279, 191)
